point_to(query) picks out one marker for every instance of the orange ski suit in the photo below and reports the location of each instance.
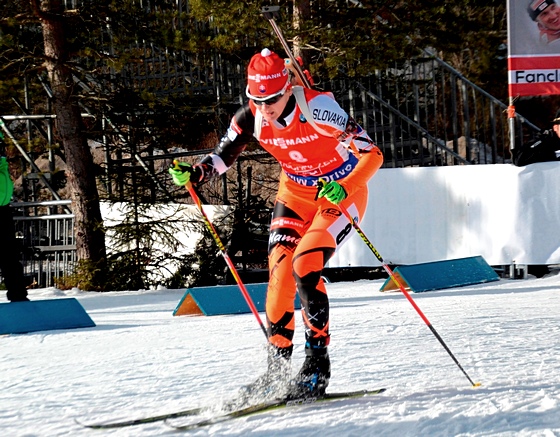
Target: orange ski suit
(305, 231)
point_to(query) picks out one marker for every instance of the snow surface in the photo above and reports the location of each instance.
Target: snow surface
(140, 360)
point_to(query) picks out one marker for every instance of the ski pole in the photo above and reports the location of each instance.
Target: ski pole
(401, 287)
(223, 251)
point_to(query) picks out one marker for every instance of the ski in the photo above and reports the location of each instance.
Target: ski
(144, 420)
(273, 405)
(235, 413)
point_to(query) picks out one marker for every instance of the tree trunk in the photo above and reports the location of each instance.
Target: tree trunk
(90, 235)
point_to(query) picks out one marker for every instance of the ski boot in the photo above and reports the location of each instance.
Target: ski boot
(273, 383)
(313, 378)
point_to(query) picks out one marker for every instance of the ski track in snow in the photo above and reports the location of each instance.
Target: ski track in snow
(140, 360)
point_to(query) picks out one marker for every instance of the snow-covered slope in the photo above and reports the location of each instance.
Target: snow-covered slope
(140, 360)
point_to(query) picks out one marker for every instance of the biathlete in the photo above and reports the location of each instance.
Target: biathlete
(313, 139)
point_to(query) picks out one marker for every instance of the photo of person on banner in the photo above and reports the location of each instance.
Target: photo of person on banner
(546, 13)
(533, 47)
(533, 27)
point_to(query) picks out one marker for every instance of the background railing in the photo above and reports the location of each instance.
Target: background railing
(420, 112)
(46, 237)
(423, 112)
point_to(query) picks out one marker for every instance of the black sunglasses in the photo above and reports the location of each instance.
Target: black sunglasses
(270, 101)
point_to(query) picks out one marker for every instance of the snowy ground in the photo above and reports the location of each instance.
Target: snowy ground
(140, 360)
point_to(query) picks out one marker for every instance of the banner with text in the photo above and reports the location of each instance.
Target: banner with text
(533, 47)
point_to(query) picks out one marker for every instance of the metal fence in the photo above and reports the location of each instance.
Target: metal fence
(423, 112)
(46, 236)
(420, 112)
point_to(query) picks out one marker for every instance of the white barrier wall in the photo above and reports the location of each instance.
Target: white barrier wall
(507, 214)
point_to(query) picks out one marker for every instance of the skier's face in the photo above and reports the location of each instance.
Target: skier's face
(550, 17)
(271, 110)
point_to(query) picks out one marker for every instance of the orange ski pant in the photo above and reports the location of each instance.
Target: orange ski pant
(304, 235)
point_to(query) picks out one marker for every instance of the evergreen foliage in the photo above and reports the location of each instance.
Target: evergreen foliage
(205, 266)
